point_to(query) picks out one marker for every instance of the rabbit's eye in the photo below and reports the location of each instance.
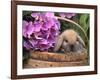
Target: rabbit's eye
(77, 40)
(66, 40)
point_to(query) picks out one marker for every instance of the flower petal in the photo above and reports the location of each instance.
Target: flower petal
(49, 14)
(67, 15)
(30, 29)
(24, 28)
(27, 45)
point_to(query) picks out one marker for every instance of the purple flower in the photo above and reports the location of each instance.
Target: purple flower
(27, 45)
(67, 15)
(41, 33)
(27, 28)
(24, 28)
(49, 14)
(37, 26)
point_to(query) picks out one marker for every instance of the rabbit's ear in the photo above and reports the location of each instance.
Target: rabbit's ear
(80, 40)
(58, 43)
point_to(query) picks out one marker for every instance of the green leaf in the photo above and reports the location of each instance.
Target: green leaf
(64, 25)
(84, 21)
(27, 13)
(76, 18)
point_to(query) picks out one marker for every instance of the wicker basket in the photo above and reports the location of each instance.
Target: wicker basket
(47, 59)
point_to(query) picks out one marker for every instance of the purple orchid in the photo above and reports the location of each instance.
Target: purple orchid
(67, 15)
(41, 33)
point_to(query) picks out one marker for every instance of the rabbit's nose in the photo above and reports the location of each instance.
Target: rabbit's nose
(72, 47)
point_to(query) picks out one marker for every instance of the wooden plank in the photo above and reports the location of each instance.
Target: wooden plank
(33, 63)
(47, 56)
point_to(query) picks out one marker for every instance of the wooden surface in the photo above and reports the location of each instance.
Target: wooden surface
(32, 63)
(47, 59)
(47, 56)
